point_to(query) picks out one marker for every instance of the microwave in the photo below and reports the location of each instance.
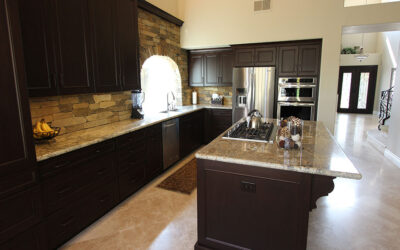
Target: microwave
(297, 89)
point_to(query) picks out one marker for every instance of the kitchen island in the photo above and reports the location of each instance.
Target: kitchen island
(254, 195)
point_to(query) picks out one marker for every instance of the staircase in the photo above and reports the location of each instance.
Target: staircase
(385, 106)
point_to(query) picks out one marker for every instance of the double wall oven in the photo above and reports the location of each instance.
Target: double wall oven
(297, 96)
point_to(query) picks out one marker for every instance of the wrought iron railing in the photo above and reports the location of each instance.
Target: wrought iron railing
(385, 106)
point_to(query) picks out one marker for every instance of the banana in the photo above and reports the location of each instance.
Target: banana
(38, 128)
(45, 127)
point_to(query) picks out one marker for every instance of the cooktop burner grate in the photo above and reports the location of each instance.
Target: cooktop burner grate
(242, 132)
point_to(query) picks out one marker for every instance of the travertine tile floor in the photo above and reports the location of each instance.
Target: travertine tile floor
(362, 214)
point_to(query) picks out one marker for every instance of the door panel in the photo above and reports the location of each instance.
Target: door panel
(74, 55)
(357, 89)
(309, 60)
(265, 57)
(196, 70)
(211, 68)
(17, 156)
(226, 69)
(39, 62)
(128, 42)
(105, 56)
(288, 57)
(244, 57)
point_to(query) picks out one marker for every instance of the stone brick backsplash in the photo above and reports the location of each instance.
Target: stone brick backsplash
(77, 112)
(204, 94)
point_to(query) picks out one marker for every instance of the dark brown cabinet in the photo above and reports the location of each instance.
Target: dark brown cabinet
(31, 239)
(216, 122)
(103, 23)
(128, 44)
(211, 67)
(299, 60)
(190, 132)
(154, 152)
(255, 56)
(84, 46)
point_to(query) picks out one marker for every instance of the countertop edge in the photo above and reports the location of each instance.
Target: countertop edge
(114, 135)
(299, 169)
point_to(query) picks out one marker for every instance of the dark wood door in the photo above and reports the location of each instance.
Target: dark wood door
(211, 69)
(128, 44)
(226, 61)
(288, 58)
(73, 46)
(309, 56)
(356, 89)
(244, 57)
(103, 16)
(264, 57)
(38, 47)
(17, 157)
(154, 152)
(196, 74)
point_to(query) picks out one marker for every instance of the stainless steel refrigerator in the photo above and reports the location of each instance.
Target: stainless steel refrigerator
(253, 88)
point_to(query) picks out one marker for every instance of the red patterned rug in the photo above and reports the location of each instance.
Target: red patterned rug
(184, 180)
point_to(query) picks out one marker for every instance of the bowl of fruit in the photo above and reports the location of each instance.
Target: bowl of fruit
(43, 131)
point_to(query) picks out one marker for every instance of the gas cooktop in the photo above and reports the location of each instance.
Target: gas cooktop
(266, 133)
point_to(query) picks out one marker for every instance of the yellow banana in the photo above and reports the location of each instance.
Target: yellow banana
(45, 127)
(38, 128)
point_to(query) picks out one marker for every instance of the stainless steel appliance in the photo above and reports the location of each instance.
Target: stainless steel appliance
(297, 96)
(253, 88)
(170, 134)
(297, 89)
(266, 132)
(137, 101)
(302, 110)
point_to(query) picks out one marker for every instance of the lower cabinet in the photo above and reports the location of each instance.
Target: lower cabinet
(31, 239)
(154, 152)
(191, 132)
(216, 122)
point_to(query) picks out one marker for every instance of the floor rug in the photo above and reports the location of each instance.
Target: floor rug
(184, 180)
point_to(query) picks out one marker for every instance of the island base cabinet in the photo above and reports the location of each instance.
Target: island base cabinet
(245, 207)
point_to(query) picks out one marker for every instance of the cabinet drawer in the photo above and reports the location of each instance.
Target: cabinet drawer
(18, 212)
(66, 187)
(63, 225)
(132, 152)
(135, 138)
(134, 162)
(131, 180)
(55, 165)
(101, 200)
(31, 239)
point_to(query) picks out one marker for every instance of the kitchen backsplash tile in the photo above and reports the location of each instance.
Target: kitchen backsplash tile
(77, 112)
(204, 94)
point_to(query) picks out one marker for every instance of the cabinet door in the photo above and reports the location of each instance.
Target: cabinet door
(196, 73)
(309, 57)
(154, 152)
(103, 16)
(226, 68)
(211, 70)
(17, 156)
(38, 48)
(288, 57)
(128, 44)
(264, 57)
(244, 57)
(221, 120)
(73, 46)
(186, 127)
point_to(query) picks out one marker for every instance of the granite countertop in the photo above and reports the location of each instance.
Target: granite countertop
(83, 138)
(320, 154)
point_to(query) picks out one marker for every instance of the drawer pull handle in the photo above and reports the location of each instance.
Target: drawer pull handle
(101, 171)
(61, 165)
(98, 151)
(103, 199)
(65, 190)
(67, 222)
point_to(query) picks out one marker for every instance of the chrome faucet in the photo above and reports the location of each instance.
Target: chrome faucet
(171, 101)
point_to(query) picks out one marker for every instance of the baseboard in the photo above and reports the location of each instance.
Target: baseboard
(392, 157)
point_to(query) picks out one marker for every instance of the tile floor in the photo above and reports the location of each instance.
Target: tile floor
(361, 214)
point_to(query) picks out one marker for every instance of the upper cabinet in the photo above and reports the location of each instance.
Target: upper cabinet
(211, 67)
(255, 56)
(17, 157)
(82, 46)
(299, 60)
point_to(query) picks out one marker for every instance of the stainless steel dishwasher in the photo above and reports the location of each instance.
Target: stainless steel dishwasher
(170, 134)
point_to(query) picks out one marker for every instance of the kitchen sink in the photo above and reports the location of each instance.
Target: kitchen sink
(170, 111)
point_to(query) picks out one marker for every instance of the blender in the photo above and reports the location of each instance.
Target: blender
(137, 101)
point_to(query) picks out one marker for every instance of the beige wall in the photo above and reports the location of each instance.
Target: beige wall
(394, 135)
(210, 23)
(368, 42)
(169, 6)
